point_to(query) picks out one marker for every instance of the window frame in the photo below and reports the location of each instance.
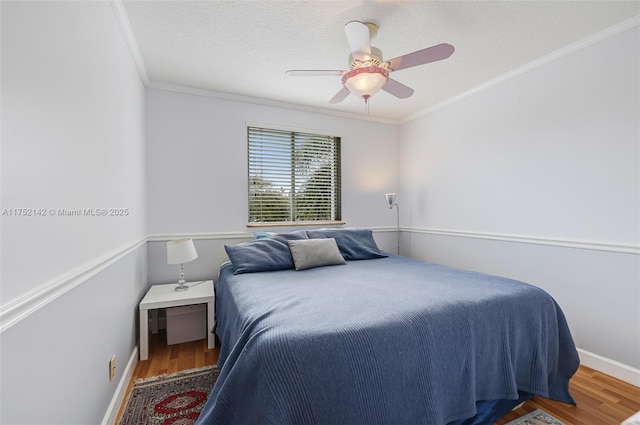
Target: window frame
(296, 134)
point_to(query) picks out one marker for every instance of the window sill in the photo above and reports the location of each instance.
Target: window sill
(296, 223)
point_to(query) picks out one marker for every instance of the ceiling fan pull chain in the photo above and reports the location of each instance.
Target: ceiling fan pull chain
(366, 102)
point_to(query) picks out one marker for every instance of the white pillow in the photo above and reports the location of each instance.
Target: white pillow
(310, 253)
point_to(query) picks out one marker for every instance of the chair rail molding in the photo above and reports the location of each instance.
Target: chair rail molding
(532, 240)
(17, 309)
(213, 235)
(233, 235)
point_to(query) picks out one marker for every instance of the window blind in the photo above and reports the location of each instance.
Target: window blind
(293, 176)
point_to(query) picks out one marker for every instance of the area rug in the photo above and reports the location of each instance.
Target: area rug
(175, 399)
(537, 417)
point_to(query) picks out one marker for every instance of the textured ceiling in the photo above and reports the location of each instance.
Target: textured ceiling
(245, 47)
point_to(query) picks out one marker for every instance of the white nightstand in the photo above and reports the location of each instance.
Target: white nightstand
(163, 296)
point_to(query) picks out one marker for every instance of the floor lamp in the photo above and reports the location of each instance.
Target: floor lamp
(391, 200)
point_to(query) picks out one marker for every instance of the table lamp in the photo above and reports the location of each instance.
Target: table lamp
(181, 251)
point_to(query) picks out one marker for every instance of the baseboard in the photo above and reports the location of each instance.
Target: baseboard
(116, 401)
(610, 367)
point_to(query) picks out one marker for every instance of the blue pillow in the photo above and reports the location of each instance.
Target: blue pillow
(265, 254)
(354, 244)
(260, 235)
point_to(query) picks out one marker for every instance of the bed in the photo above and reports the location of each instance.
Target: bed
(377, 338)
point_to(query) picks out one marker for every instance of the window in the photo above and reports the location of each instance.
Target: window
(294, 177)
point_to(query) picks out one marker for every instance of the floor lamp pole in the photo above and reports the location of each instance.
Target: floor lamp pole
(391, 201)
(397, 225)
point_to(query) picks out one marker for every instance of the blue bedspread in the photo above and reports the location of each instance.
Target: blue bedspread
(384, 341)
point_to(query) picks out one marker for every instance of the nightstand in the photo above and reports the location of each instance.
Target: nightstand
(163, 296)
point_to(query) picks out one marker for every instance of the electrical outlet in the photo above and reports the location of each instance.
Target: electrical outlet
(112, 367)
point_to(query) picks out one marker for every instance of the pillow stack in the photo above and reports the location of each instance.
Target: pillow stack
(301, 250)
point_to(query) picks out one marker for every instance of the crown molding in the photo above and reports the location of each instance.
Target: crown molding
(264, 102)
(605, 34)
(130, 39)
(127, 31)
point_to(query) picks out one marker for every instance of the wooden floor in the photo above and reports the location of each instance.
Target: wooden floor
(601, 399)
(168, 359)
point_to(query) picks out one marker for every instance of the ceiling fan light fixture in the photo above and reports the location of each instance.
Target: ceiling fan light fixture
(365, 82)
(368, 72)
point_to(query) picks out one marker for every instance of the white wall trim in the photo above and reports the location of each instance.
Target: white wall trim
(213, 235)
(534, 240)
(19, 308)
(266, 102)
(130, 39)
(558, 54)
(384, 229)
(111, 415)
(610, 367)
(121, 391)
(233, 235)
(324, 132)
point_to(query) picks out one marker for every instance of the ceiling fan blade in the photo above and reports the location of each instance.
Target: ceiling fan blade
(313, 72)
(340, 96)
(359, 40)
(420, 57)
(397, 89)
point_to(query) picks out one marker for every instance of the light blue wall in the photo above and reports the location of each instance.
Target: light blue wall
(79, 130)
(208, 136)
(73, 136)
(538, 178)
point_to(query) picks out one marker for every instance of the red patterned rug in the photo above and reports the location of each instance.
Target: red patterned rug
(170, 399)
(537, 417)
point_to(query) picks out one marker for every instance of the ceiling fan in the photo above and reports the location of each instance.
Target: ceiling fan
(368, 73)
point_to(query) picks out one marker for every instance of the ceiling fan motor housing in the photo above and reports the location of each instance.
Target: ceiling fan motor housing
(375, 59)
(367, 75)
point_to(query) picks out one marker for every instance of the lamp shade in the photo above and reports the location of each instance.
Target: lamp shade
(391, 198)
(181, 251)
(365, 82)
